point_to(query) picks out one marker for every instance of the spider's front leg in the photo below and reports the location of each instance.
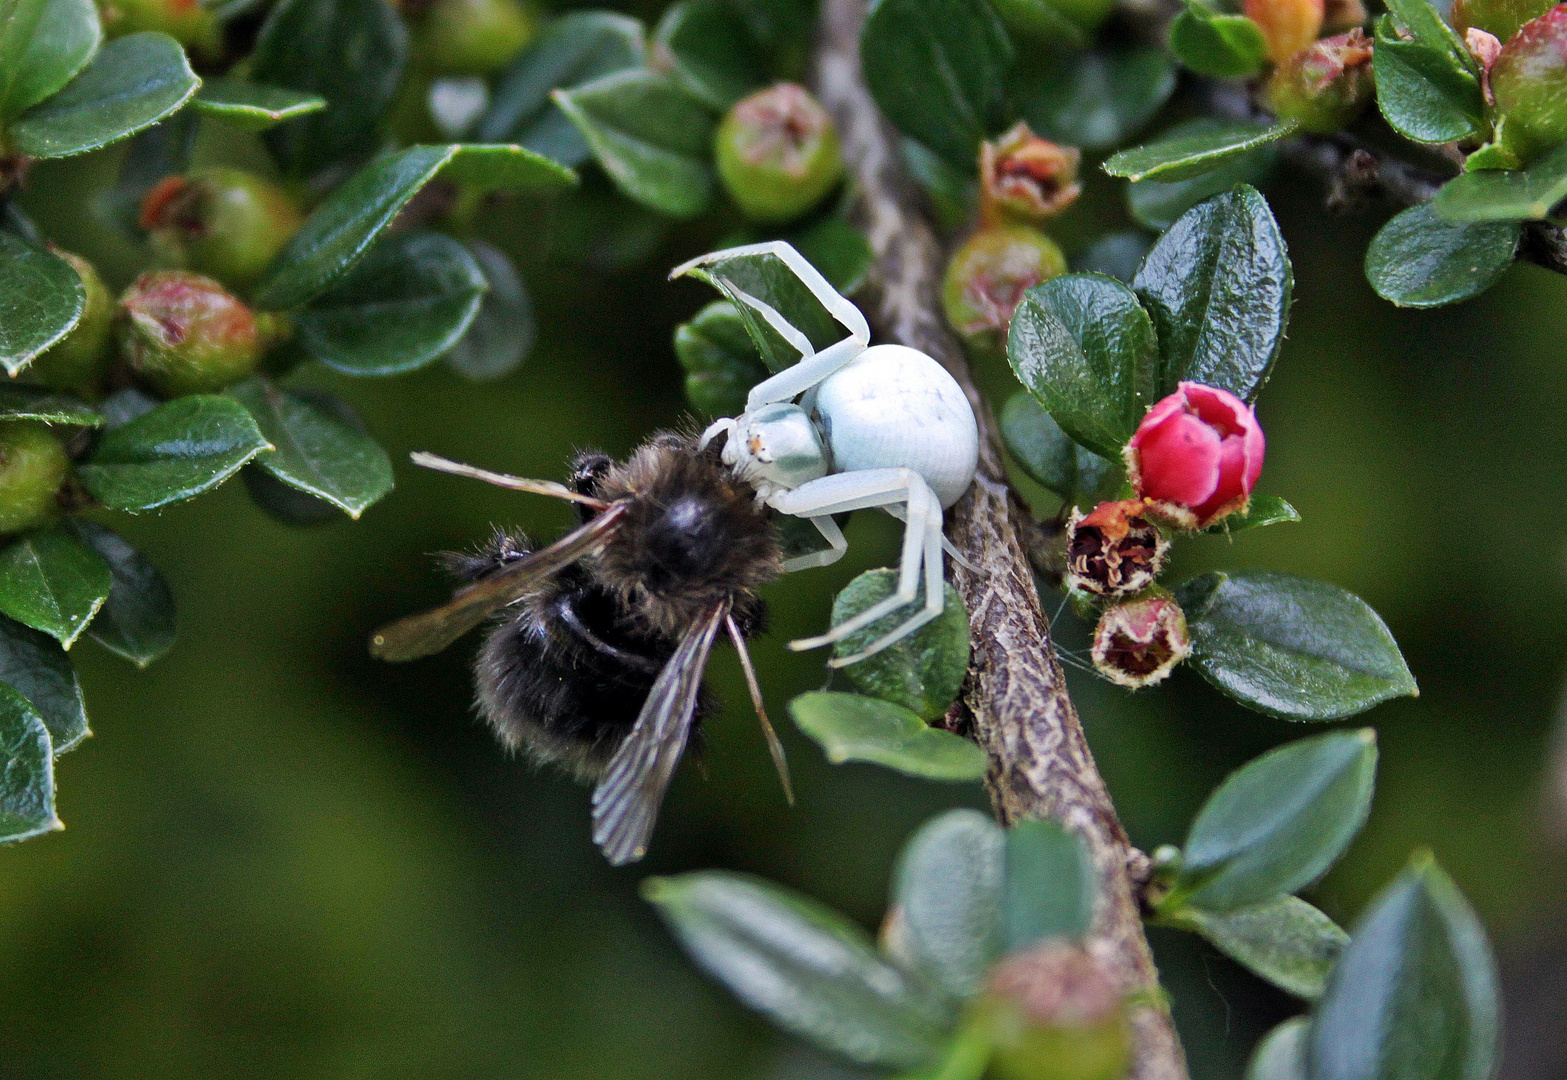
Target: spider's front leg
(922, 547)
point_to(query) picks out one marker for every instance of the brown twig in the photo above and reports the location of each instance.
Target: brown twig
(1016, 696)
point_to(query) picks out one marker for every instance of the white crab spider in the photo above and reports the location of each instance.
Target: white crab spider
(878, 426)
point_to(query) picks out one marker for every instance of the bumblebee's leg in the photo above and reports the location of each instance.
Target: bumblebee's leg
(826, 557)
(921, 541)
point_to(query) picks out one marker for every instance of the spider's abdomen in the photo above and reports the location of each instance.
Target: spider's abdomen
(893, 407)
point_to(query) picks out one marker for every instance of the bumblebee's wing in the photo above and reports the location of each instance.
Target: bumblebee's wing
(626, 801)
(431, 631)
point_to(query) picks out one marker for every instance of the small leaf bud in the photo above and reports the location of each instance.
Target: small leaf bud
(987, 278)
(79, 360)
(475, 37)
(1288, 26)
(1529, 82)
(1054, 1012)
(33, 466)
(778, 153)
(1499, 18)
(1113, 551)
(1196, 456)
(222, 222)
(188, 22)
(1325, 85)
(1139, 643)
(181, 333)
(1026, 179)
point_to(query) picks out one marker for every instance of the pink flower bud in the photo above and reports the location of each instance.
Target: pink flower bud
(1025, 178)
(1114, 551)
(1196, 456)
(1139, 644)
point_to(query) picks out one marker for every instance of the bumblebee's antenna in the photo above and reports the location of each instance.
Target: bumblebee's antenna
(516, 483)
(774, 747)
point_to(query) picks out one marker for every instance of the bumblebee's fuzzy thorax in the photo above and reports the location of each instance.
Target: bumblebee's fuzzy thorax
(693, 535)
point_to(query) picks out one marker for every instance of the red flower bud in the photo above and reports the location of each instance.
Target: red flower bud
(1287, 25)
(987, 278)
(181, 333)
(1025, 178)
(1196, 456)
(1324, 86)
(1529, 82)
(1139, 644)
(1113, 551)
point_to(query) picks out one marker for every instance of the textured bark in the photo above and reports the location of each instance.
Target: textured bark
(1015, 696)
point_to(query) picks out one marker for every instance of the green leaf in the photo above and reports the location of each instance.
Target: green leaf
(43, 44)
(852, 727)
(1291, 647)
(1085, 348)
(350, 52)
(651, 137)
(1218, 46)
(137, 621)
(1414, 995)
(946, 898)
(720, 361)
(924, 671)
(839, 251)
(953, 194)
(1284, 940)
(1050, 885)
(21, 402)
(714, 55)
(1278, 822)
(1427, 27)
(341, 230)
(1048, 454)
(938, 70)
(1506, 195)
(34, 664)
(27, 781)
(1095, 99)
(1425, 93)
(1218, 286)
(1182, 156)
(1421, 260)
(52, 582)
(317, 452)
(804, 966)
(1281, 1054)
(1157, 203)
(502, 334)
(1116, 255)
(132, 83)
(411, 299)
(576, 48)
(41, 300)
(1263, 510)
(253, 106)
(175, 452)
(766, 278)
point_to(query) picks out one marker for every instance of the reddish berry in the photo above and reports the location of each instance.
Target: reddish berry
(986, 280)
(181, 333)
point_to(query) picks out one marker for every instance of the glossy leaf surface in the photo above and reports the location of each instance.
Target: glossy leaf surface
(1158, 204)
(1218, 287)
(175, 452)
(922, 672)
(1420, 259)
(1094, 99)
(1292, 647)
(41, 300)
(43, 44)
(1281, 1053)
(502, 334)
(804, 966)
(1506, 195)
(254, 106)
(1425, 93)
(716, 58)
(1049, 455)
(852, 727)
(317, 452)
(1218, 46)
(1193, 152)
(51, 581)
(137, 621)
(19, 401)
(27, 781)
(1262, 510)
(719, 358)
(33, 663)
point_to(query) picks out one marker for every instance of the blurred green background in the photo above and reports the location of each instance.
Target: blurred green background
(286, 860)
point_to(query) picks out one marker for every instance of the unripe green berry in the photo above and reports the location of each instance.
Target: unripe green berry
(1055, 1013)
(1529, 80)
(474, 37)
(181, 333)
(33, 465)
(987, 278)
(79, 360)
(222, 222)
(188, 22)
(778, 153)
(1323, 87)
(1501, 18)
